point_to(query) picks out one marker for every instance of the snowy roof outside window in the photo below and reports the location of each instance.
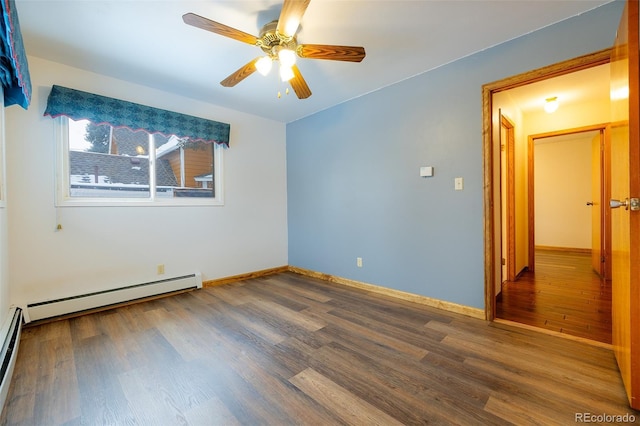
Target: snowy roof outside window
(172, 144)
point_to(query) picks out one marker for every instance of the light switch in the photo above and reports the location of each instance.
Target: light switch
(459, 184)
(426, 171)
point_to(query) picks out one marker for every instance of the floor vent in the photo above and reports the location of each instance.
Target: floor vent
(11, 340)
(98, 299)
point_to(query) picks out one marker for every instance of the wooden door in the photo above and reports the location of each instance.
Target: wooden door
(508, 182)
(504, 241)
(625, 184)
(600, 195)
(597, 252)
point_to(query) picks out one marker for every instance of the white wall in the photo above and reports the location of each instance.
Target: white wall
(5, 301)
(4, 281)
(105, 247)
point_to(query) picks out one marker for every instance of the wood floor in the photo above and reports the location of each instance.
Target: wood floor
(287, 349)
(564, 294)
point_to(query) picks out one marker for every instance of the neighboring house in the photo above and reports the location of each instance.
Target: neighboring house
(206, 180)
(183, 168)
(97, 168)
(192, 165)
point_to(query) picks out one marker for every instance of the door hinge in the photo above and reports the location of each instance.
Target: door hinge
(602, 259)
(504, 261)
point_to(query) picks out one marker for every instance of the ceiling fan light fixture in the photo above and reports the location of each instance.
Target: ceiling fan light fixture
(278, 40)
(551, 104)
(287, 57)
(286, 73)
(263, 65)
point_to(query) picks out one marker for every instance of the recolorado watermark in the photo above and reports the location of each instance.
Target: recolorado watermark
(604, 418)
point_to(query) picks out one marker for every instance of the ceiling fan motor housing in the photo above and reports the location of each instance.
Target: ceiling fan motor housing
(271, 42)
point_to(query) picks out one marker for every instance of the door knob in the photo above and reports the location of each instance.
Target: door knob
(634, 203)
(614, 204)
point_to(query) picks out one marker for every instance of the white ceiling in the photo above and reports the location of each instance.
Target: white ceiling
(146, 42)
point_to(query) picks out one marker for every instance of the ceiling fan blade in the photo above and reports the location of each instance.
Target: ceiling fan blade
(244, 72)
(330, 52)
(299, 85)
(218, 28)
(290, 16)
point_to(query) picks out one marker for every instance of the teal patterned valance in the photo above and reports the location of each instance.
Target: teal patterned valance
(79, 105)
(14, 69)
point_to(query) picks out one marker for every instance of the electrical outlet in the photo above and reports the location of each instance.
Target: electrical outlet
(161, 269)
(359, 262)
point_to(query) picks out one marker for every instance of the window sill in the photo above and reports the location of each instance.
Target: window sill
(138, 203)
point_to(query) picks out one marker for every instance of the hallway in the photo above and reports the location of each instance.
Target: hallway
(564, 295)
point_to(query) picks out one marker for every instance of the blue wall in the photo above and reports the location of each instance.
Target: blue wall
(353, 170)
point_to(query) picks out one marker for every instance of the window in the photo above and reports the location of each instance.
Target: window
(104, 165)
(111, 151)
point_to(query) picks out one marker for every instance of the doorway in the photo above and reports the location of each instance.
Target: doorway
(494, 230)
(563, 288)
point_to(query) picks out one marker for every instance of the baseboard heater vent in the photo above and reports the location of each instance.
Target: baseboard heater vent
(99, 299)
(11, 340)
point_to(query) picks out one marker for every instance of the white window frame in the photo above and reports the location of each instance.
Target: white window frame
(61, 127)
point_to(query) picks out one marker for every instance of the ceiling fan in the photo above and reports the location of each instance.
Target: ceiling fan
(278, 41)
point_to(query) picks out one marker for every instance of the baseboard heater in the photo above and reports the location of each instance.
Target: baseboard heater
(11, 340)
(99, 299)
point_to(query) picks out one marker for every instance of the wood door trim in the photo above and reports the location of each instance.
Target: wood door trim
(582, 129)
(488, 146)
(606, 196)
(590, 60)
(531, 215)
(510, 145)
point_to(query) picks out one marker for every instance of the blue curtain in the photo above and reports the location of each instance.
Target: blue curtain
(79, 105)
(14, 69)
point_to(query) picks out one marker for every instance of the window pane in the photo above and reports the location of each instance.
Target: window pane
(106, 162)
(183, 168)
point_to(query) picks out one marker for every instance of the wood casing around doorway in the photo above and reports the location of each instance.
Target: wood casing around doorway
(491, 143)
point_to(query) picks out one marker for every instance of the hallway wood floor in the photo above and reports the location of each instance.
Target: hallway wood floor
(564, 294)
(288, 349)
